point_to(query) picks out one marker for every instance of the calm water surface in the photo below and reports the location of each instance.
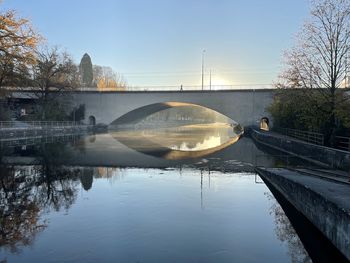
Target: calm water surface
(100, 199)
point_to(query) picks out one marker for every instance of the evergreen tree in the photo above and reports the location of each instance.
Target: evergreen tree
(86, 72)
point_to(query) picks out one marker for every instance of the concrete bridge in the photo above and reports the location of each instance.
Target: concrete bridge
(246, 107)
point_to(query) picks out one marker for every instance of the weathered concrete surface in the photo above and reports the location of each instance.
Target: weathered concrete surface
(326, 204)
(314, 153)
(246, 107)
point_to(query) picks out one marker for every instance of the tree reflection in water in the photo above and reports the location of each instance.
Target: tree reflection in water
(19, 209)
(286, 233)
(29, 192)
(26, 193)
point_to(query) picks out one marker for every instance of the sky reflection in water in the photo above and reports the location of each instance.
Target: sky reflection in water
(70, 207)
(153, 215)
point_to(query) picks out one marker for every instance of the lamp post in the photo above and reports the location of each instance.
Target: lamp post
(346, 71)
(203, 69)
(210, 80)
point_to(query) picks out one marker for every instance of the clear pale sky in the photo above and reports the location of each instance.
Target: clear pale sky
(160, 42)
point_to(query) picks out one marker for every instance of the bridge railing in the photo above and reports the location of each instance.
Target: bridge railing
(307, 136)
(186, 88)
(37, 124)
(155, 88)
(35, 139)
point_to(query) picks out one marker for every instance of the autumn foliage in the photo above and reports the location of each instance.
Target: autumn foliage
(18, 42)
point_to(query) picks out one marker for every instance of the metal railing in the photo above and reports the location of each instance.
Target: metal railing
(307, 136)
(343, 143)
(153, 88)
(37, 124)
(33, 140)
(182, 88)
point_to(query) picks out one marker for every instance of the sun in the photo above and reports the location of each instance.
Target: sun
(218, 81)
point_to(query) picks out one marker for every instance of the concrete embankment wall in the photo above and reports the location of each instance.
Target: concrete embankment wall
(315, 198)
(314, 153)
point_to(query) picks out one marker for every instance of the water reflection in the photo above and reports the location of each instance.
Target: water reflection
(66, 192)
(19, 211)
(171, 215)
(293, 228)
(286, 233)
(191, 141)
(104, 150)
(27, 192)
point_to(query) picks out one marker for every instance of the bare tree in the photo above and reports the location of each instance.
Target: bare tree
(53, 73)
(318, 63)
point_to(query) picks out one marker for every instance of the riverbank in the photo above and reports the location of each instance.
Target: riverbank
(324, 203)
(319, 155)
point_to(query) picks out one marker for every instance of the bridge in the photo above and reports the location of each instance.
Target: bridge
(246, 107)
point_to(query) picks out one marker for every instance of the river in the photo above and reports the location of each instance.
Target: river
(186, 194)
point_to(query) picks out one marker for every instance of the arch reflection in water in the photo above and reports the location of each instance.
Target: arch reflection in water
(190, 141)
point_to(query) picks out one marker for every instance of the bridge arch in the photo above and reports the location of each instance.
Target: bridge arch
(133, 116)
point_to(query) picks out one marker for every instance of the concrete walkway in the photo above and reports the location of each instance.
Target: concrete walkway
(319, 155)
(330, 175)
(325, 203)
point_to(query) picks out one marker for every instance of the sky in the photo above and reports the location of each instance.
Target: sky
(161, 42)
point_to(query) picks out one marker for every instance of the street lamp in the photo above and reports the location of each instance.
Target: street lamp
(203, 68)
(210, 79)
(346, 71)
